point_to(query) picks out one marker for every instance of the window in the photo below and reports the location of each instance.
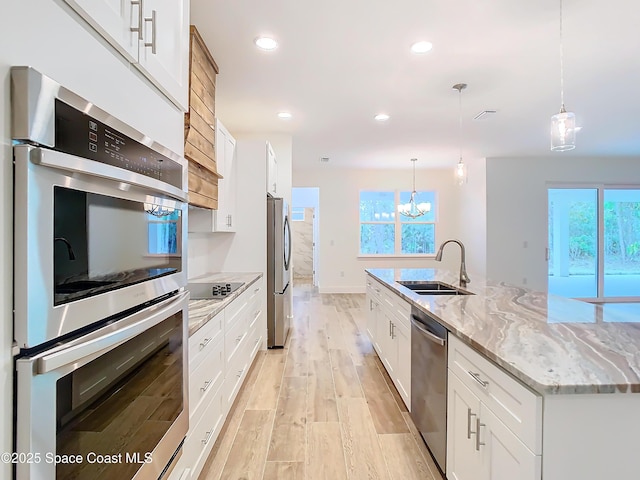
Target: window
(385, 232)
(297, 214)
(594, 242)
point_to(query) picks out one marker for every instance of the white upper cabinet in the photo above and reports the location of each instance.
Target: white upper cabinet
(224, 219)
(151, 34)
(225, 216)
(272, 172)
(164, 49)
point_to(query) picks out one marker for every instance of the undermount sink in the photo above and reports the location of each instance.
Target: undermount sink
(422, 287)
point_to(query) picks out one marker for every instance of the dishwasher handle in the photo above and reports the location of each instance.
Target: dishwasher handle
(434, 338)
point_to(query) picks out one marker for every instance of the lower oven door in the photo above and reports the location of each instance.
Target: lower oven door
(109, 405)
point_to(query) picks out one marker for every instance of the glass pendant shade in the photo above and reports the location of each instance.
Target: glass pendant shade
(461, 173)
(563, 131)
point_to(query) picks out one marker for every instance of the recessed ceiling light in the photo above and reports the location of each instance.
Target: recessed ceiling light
(284, 115)
(266, 43)
(421, 47)
(382, 117)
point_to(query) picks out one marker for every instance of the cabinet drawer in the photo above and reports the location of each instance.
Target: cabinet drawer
(200, 342)
(374, 288)
(397, 306)
(203, 431)
(234, 340)
(237, 308)
(255, 290)
(206, 378)
(514, 404)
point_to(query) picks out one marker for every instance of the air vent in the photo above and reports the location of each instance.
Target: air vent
(485, 115)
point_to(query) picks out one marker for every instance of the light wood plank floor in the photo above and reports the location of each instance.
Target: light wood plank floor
(321, 408)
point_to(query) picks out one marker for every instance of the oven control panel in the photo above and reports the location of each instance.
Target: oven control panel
(80, 134)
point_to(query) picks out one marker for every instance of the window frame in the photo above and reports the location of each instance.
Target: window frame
(397, 222)
(600, 189)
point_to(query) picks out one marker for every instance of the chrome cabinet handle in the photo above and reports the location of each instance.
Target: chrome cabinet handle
(206, 385)
(139, 28)
(238, 338)
(152, 43)
(393, 330)
(231, 220)
(469, 431)
(256, 290)
(208, 437)
(476, 377)
(204, 343)
(477, 432)
(240, 373)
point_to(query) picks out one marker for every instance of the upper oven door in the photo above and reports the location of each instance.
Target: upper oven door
(91, 240)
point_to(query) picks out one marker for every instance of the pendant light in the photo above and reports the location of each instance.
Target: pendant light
(563, 124)
(461, 168)
(413, 209)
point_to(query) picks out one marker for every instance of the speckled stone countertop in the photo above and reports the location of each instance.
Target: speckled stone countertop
(554, 345)
(201, 311)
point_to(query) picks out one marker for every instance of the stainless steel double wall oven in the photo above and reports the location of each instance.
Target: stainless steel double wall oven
(100, 308)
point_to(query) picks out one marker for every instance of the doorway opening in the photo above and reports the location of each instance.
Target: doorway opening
(305, 219)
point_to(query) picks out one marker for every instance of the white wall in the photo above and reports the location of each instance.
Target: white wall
(472, 217)
(339, 220)
(517, 208)
(47, 35)
(245, 250)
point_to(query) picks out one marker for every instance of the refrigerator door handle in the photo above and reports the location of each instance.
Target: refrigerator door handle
(287, 235)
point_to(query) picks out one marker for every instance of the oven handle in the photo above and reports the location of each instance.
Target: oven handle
(72, 163)
(110, 336)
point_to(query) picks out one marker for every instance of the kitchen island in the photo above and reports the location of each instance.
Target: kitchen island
(577, 364)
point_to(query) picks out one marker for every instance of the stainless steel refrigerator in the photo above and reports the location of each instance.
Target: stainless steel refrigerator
(278, 272)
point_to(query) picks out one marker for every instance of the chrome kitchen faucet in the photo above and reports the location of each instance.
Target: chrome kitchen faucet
(464, 278)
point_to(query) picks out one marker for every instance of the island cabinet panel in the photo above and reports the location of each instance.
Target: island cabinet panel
(591, 436)
(200, 124)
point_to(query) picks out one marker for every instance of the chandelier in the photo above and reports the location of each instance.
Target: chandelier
(413, 209)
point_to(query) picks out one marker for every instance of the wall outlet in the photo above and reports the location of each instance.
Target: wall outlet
(341, 273)
(524, 281)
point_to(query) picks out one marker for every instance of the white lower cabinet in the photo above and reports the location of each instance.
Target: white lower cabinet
(220, 354)
(480, 445)
(388, 327)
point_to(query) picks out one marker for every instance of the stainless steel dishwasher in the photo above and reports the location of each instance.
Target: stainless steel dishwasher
(429, 383)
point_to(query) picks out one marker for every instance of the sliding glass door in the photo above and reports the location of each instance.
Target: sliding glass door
(594, 242)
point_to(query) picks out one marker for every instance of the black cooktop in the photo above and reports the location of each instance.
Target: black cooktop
(206, 291)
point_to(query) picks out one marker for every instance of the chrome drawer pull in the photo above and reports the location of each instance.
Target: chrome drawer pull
(469, 431)
(478, 442)
(207, 384)
(476, 377)
(208, 437)
(204, 343)
(238, 338)
(256, 290)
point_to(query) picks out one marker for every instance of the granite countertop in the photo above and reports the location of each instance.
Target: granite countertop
(201, 311)
(553, 344)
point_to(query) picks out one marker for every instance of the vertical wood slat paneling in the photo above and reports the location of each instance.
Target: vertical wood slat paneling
(199, 129)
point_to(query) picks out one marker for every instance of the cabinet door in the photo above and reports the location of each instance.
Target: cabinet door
(371, 318)
(164, 49)
(225, 220)
(504, 456)
(115, 20)
(272, 171)
(402, 339)
(464, 461)
(388, 347)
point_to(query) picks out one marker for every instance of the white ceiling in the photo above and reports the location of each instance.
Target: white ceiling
(340, 62)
